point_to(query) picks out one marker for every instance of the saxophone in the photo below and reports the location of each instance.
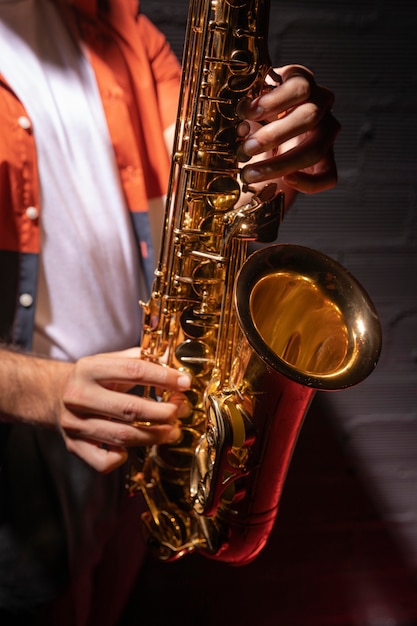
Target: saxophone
(258, 334)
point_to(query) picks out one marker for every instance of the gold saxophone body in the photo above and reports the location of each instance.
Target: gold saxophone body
(258, 334)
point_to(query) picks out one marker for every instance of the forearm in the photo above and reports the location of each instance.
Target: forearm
(30, 387)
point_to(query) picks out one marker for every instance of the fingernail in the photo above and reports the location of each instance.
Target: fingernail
(242, 107)
(241, 156)
(251, 147)
(174, 435)
(184, 409)
(184, 382)
(256, 112)
(243, 129)
(247, 108)
(251, 175)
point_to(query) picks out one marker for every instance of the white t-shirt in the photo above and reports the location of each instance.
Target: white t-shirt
(90, 279)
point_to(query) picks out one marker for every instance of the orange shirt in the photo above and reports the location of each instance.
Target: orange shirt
(138, 79)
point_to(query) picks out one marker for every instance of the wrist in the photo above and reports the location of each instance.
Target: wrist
(31, 387)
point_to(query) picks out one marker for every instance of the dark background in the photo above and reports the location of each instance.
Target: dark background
(344, 548)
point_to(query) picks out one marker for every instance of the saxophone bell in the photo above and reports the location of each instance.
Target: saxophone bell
(306, 325)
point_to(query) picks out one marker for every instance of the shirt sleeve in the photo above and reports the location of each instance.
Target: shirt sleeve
(166, 69)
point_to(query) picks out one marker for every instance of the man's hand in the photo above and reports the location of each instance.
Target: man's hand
(290, 132)
(88, 403)
(95, 411)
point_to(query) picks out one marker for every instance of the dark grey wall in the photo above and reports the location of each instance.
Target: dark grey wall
(365, 52)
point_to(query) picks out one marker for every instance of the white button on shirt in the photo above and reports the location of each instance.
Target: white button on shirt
(26, 300)
(24, 122)
(32, 212)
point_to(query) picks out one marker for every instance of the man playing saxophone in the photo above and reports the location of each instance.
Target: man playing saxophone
(88, 94)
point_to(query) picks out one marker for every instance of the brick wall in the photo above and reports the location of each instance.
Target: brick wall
(365, 52)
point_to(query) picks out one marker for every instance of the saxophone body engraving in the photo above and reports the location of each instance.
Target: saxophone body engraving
(258, 335)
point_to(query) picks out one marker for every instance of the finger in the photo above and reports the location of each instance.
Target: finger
(110, 404)
(277, 100)
(184, 407)
(291, 161)
(316, 181)
(113, 369)
(315, 146)
(297, 121)
(100, 459)
(120, 435)
(298, 86)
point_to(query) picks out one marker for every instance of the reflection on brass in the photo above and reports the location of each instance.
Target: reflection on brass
(303, 326)
(257, 334)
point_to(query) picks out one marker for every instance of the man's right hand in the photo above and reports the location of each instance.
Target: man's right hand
(88, 403)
